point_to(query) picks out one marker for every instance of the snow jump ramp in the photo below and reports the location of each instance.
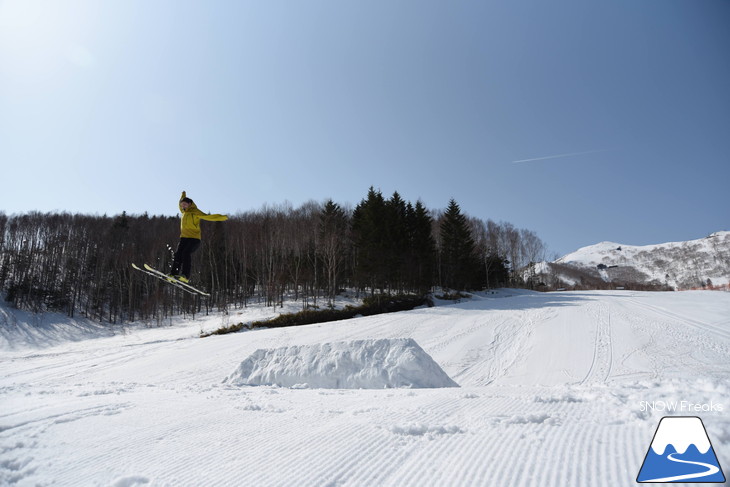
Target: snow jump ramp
(359, 364)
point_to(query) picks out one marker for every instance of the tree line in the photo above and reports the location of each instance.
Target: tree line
(81, 264)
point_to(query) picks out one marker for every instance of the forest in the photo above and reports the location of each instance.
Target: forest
(81, 264)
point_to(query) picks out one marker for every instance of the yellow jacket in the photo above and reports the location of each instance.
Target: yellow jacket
(190, 220)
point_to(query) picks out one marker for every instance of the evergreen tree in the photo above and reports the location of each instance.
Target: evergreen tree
(422, 247)
(370, 241)
(397, 245)
(458, 258)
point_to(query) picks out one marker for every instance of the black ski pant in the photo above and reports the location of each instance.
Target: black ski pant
(184, 256)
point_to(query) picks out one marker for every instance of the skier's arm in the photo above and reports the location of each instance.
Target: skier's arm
(214, 217)
(179, 203)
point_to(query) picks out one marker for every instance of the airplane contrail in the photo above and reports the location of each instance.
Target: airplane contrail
(557, 156)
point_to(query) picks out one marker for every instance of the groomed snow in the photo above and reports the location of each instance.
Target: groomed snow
(559, 389)
(358, 364)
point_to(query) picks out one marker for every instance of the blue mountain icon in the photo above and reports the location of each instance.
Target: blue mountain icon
(680, 452)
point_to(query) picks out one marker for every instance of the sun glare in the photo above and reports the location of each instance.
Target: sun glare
(36, 37)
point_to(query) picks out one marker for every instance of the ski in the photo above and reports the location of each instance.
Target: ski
(164, 277)
(174, 281)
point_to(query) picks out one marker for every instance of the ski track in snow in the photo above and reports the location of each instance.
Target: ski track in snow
(600, 369)
(549, 396)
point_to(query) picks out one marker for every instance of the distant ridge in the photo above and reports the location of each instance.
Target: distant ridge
(695, 264)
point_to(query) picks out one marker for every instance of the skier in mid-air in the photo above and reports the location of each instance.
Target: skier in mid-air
(189, 237)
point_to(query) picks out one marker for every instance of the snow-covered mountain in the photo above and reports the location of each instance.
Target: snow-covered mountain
(702, 263)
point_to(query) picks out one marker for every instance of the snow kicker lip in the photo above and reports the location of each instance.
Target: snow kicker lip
(359, 364)
(680, 451)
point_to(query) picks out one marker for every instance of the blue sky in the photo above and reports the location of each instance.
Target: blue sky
(119, 105)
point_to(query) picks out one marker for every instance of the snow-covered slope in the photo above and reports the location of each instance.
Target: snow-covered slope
(556, 389)
(679, 265)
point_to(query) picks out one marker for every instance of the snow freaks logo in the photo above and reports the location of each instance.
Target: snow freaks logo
(680, 407)
(680, 452)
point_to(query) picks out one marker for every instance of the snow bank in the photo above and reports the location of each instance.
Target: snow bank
(23, 329)
(360, 364)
